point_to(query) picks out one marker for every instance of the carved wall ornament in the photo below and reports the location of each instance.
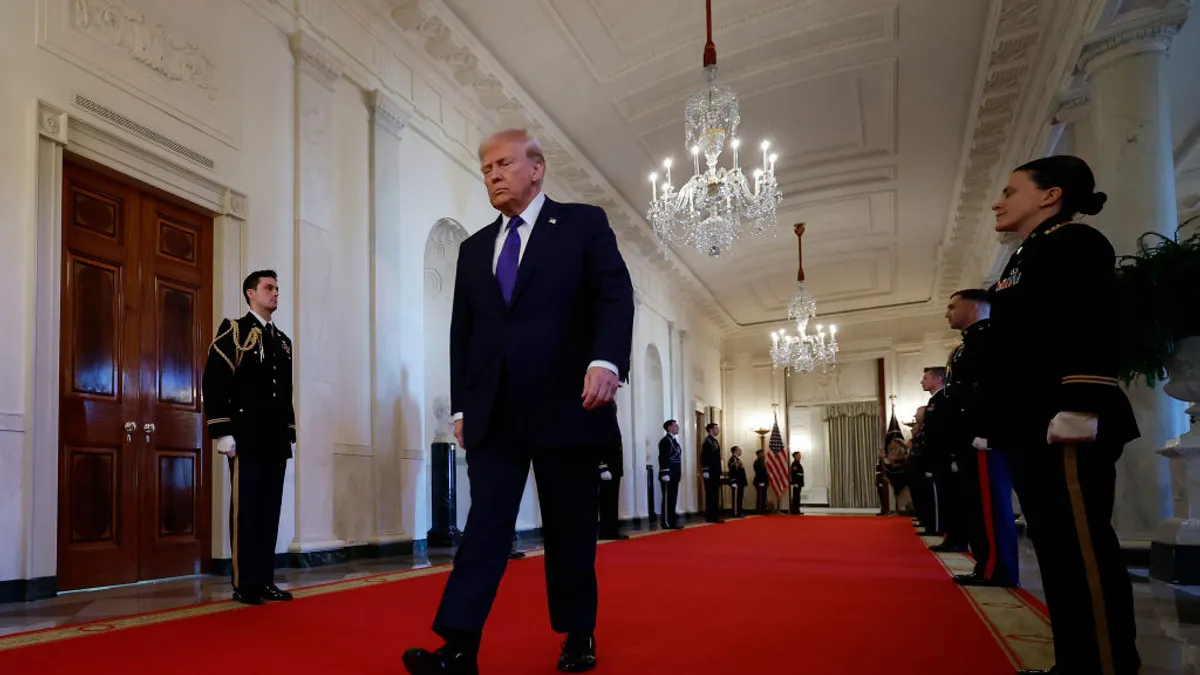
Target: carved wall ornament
(151, 44)
(315, 59)
(386, 113)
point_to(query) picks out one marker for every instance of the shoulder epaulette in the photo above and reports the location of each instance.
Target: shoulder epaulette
(240, 347)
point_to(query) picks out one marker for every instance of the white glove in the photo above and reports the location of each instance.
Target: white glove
(665, 478)
(953, 467)
(928, 475)
(1072, 427)
(604, 475)
(980, 444)
(705, 475)
(227, 446)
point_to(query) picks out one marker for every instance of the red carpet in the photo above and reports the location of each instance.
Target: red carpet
(834, 595)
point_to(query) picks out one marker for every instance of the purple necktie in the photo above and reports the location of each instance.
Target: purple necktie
(510, 259)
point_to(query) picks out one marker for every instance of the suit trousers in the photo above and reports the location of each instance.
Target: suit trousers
(1067, 493)
(567, 491)
(712, 498)
(256, 494)
(610, 491)
(925, 499)
(670, 492)
(987, 502)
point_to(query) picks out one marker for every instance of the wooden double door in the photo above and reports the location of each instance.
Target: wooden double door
(136, 307)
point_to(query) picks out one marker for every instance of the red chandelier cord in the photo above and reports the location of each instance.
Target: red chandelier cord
(799, 228)
(710, 49)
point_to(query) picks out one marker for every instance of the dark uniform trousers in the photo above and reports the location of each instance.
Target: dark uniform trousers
(794, 502)
(256, 486)
(760, 498)
(738, 495)
(712, 496)
(951, 513)
(670, 492)
(1067, 494)
(987, 501)
(566, 480)
(924, 491)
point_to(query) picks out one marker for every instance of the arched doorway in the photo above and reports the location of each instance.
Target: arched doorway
(441, 260)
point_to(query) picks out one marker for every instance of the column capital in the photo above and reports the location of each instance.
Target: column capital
(386, 113)
(1072, 106)
(315, 59)
(1139, 33)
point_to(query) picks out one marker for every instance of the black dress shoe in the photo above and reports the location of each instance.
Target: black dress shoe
(578, 653)
(1052, 671)
(276, 594)
(247, 597)
(447, 660)
(948, 548)
(976, 580)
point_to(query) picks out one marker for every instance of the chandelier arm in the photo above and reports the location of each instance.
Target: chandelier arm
(710, 49)
(799, 229)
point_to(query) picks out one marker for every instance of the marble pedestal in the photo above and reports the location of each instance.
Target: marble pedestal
(1175, 551)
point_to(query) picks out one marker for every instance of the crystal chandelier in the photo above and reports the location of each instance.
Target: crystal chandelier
(714, 207)
(803, 353)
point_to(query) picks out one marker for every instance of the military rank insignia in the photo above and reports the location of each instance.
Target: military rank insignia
(286, 347)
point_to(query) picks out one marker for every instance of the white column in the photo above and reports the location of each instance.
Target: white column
(1134, 165)
(317, 72)
(390, 403)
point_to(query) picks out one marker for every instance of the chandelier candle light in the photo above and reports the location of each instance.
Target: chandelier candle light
(803, 353)
(715, 206)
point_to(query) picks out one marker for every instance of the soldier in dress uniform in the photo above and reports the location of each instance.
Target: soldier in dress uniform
(670, 472)
(761, 480)
(941, 456)
(737, 480)
(247, 388)
(797, 483)
(985, 484)
(611, 470)
(1058, 413)
(710, 468)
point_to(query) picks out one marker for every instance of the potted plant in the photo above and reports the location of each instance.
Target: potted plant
(1158, 306)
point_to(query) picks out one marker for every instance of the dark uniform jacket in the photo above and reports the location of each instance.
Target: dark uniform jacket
(710, 458)
(670, 459)
(737, 472)
(612, 460)
(936, 438)
(797, 473)
(967, 383)
(1056, 344)
(247, 387)
(760, 472)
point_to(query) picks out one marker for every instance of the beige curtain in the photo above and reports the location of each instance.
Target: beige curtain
(855, 436)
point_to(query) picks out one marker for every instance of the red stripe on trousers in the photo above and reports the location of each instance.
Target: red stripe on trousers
(989, 526)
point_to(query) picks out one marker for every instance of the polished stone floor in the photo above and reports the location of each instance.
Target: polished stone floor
(1168, 616)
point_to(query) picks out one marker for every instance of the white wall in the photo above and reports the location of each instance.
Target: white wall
(365, 405)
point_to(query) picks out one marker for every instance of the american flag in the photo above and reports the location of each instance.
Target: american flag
(778, 467)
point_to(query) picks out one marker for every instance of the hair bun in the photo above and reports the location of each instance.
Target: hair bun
(1093, 203)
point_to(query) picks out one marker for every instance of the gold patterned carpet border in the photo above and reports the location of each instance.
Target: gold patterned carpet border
(59, 633)
(1019, 627)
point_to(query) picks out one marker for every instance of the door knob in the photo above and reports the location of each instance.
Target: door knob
(130, 427)
(149, 428)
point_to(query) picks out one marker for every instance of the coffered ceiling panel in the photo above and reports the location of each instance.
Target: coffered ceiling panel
(866, 103)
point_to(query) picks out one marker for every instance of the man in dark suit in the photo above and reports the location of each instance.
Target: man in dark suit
(670, 472)
(710, 471)
(247, 387)
(540, 337)
(611, 470)
(737, 481)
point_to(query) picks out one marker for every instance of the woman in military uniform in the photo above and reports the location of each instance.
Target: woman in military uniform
(1058, 414)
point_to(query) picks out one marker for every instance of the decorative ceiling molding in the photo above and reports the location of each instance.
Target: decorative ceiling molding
(472, 67)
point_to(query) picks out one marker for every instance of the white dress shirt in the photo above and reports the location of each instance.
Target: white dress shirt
(528, 219)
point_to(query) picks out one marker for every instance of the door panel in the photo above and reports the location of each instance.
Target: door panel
(134, 489)
(176, 264)
(98, 541)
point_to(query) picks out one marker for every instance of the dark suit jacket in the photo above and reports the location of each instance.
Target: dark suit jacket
(572, 304)
(669, 462)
